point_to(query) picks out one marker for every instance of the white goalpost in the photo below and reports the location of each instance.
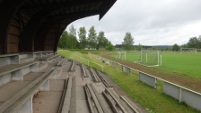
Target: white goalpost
(121, 55)
(150, 58)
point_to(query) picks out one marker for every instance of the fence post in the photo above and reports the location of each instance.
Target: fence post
(161, 62)
(146, 58)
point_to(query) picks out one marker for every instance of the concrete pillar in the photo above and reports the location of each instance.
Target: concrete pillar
(15, 59)
(17, 75)
(7, 60)
(4, 61)
(38, 55)
(5, 79)
(34, 68)
(31, 55)
(27, 107)
(45, 86)
(34, 55)
(25, 71)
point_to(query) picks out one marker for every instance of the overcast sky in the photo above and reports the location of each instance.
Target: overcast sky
(151, 22)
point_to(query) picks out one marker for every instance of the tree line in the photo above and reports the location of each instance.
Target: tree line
(194, 42)
(69, 40)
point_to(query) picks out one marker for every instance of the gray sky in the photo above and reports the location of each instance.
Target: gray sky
(151, 22)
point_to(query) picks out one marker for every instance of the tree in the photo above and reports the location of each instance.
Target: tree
(193, 43)
(82, 37)
(72, 40)
(199, 42)
(139, 48)
(63, 40)
(175, 47)
(72, 30)
(110, 47)
(184, 46)
(154, 48)
(92, 38)
(128, 41)
(102, 40)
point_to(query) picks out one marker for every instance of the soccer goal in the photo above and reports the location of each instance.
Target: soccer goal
(150, 58)
(121, 55)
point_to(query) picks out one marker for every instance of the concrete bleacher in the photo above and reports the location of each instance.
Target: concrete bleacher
(49, 58)
(56, 86)
(16, 71)
(16, 101)
(9, 59)
(23, 58)
(40, 54)
(60, 63)
(29, 75)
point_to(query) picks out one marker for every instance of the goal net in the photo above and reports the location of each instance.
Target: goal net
(121, 55)
(150, 58)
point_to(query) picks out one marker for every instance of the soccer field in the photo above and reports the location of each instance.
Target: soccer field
(183, 63)
(187, 63)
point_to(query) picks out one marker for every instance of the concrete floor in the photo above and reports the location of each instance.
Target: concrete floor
(48, 101)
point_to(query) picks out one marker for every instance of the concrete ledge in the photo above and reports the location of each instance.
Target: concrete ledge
(27, 107)
(60, 63)
(56, 73)
(40, 54)
(42, 66)
(53, 57)
(48, 58)
(66, 104)
(9, 59)
(45, 86)
(11, 68)
(16, 72)
(26, 58)
(16, 102)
